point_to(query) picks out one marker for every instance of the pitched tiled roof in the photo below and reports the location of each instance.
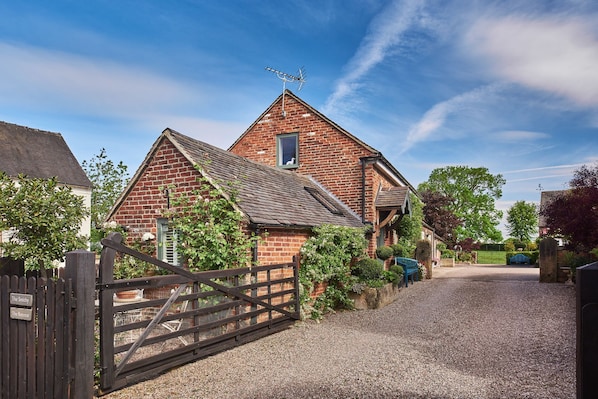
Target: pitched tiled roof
(269, 196)
(38, 154)
(394, 198)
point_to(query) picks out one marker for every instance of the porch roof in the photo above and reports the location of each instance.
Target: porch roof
(394, 198)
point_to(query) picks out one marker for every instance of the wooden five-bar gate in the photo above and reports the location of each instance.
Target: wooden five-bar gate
(200, 315)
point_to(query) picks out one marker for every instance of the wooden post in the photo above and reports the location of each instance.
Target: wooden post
(80, 267)
(548, 260)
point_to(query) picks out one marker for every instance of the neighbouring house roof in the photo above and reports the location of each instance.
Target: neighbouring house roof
(268, 196)
(383, 164)
(39, 154)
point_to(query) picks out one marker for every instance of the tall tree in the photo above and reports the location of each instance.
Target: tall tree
(574, 214)
(522, 220)
(474, 191)
(438, 215)
(42, 218)
(109, 180)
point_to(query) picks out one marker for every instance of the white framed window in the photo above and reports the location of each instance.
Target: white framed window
(167, 244)
(287, 148)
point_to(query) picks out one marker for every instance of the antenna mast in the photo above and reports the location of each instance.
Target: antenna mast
(285, 77)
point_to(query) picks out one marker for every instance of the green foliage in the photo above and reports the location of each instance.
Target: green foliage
(410, 226)
(368, 269)
(126, 266)
(474, 191)
(326, 257)
(43, 220)
(399, 249)
(384, 252)
(109, 180)
(395, 274)
(522, 220)
(209, 227)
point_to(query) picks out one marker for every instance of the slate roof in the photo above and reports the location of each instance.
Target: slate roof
(268, 196)
(38, 154)
(393, 198)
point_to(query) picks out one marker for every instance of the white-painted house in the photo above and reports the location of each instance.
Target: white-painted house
(41, 154)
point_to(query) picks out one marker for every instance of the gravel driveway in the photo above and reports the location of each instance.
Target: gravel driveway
(471, 332)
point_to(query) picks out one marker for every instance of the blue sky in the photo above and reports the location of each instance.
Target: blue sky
(508, 85)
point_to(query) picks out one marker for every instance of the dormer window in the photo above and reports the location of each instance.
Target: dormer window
(287, 149)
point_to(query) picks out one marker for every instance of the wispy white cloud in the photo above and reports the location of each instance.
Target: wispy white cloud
(568, 167)
(54, 80)
(384, 33)
(520, 136)
(436, 116)
(554, 54)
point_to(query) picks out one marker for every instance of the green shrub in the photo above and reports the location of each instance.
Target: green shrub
(368, 269)
(394, 274)
(384, 252)
(398, 249)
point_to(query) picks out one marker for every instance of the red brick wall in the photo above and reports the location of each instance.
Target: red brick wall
(279, 246)
(146, 202)
(325, 153)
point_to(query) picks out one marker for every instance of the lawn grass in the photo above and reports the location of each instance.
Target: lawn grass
(492, 257)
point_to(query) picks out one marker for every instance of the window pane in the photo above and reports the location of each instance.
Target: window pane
(287, 148)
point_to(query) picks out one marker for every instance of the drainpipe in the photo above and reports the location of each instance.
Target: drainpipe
(364, 162)
(254, 248)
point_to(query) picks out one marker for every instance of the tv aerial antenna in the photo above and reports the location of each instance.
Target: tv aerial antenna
(285, 77)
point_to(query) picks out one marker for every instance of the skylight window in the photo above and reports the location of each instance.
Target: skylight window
(322, 199)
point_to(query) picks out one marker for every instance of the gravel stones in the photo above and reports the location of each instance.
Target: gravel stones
(471, 332)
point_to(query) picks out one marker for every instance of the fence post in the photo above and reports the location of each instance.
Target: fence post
(587, 330)
(80, 267)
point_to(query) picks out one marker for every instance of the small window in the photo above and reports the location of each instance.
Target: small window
(288, 150)
(167, 243)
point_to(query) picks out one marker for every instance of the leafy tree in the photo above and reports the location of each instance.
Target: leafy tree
(43, 220)
(438, 215)
(473, 191)
(574, 214)
(522, 220)
(109, 180)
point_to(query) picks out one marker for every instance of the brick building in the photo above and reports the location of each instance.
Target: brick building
(298, 138)
(283, 204)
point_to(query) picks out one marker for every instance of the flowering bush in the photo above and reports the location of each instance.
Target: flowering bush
(326, 257)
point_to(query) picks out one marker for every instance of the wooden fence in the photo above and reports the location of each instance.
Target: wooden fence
(46, 333)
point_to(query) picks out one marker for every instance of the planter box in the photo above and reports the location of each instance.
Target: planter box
(375, 298)
(447, 262)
